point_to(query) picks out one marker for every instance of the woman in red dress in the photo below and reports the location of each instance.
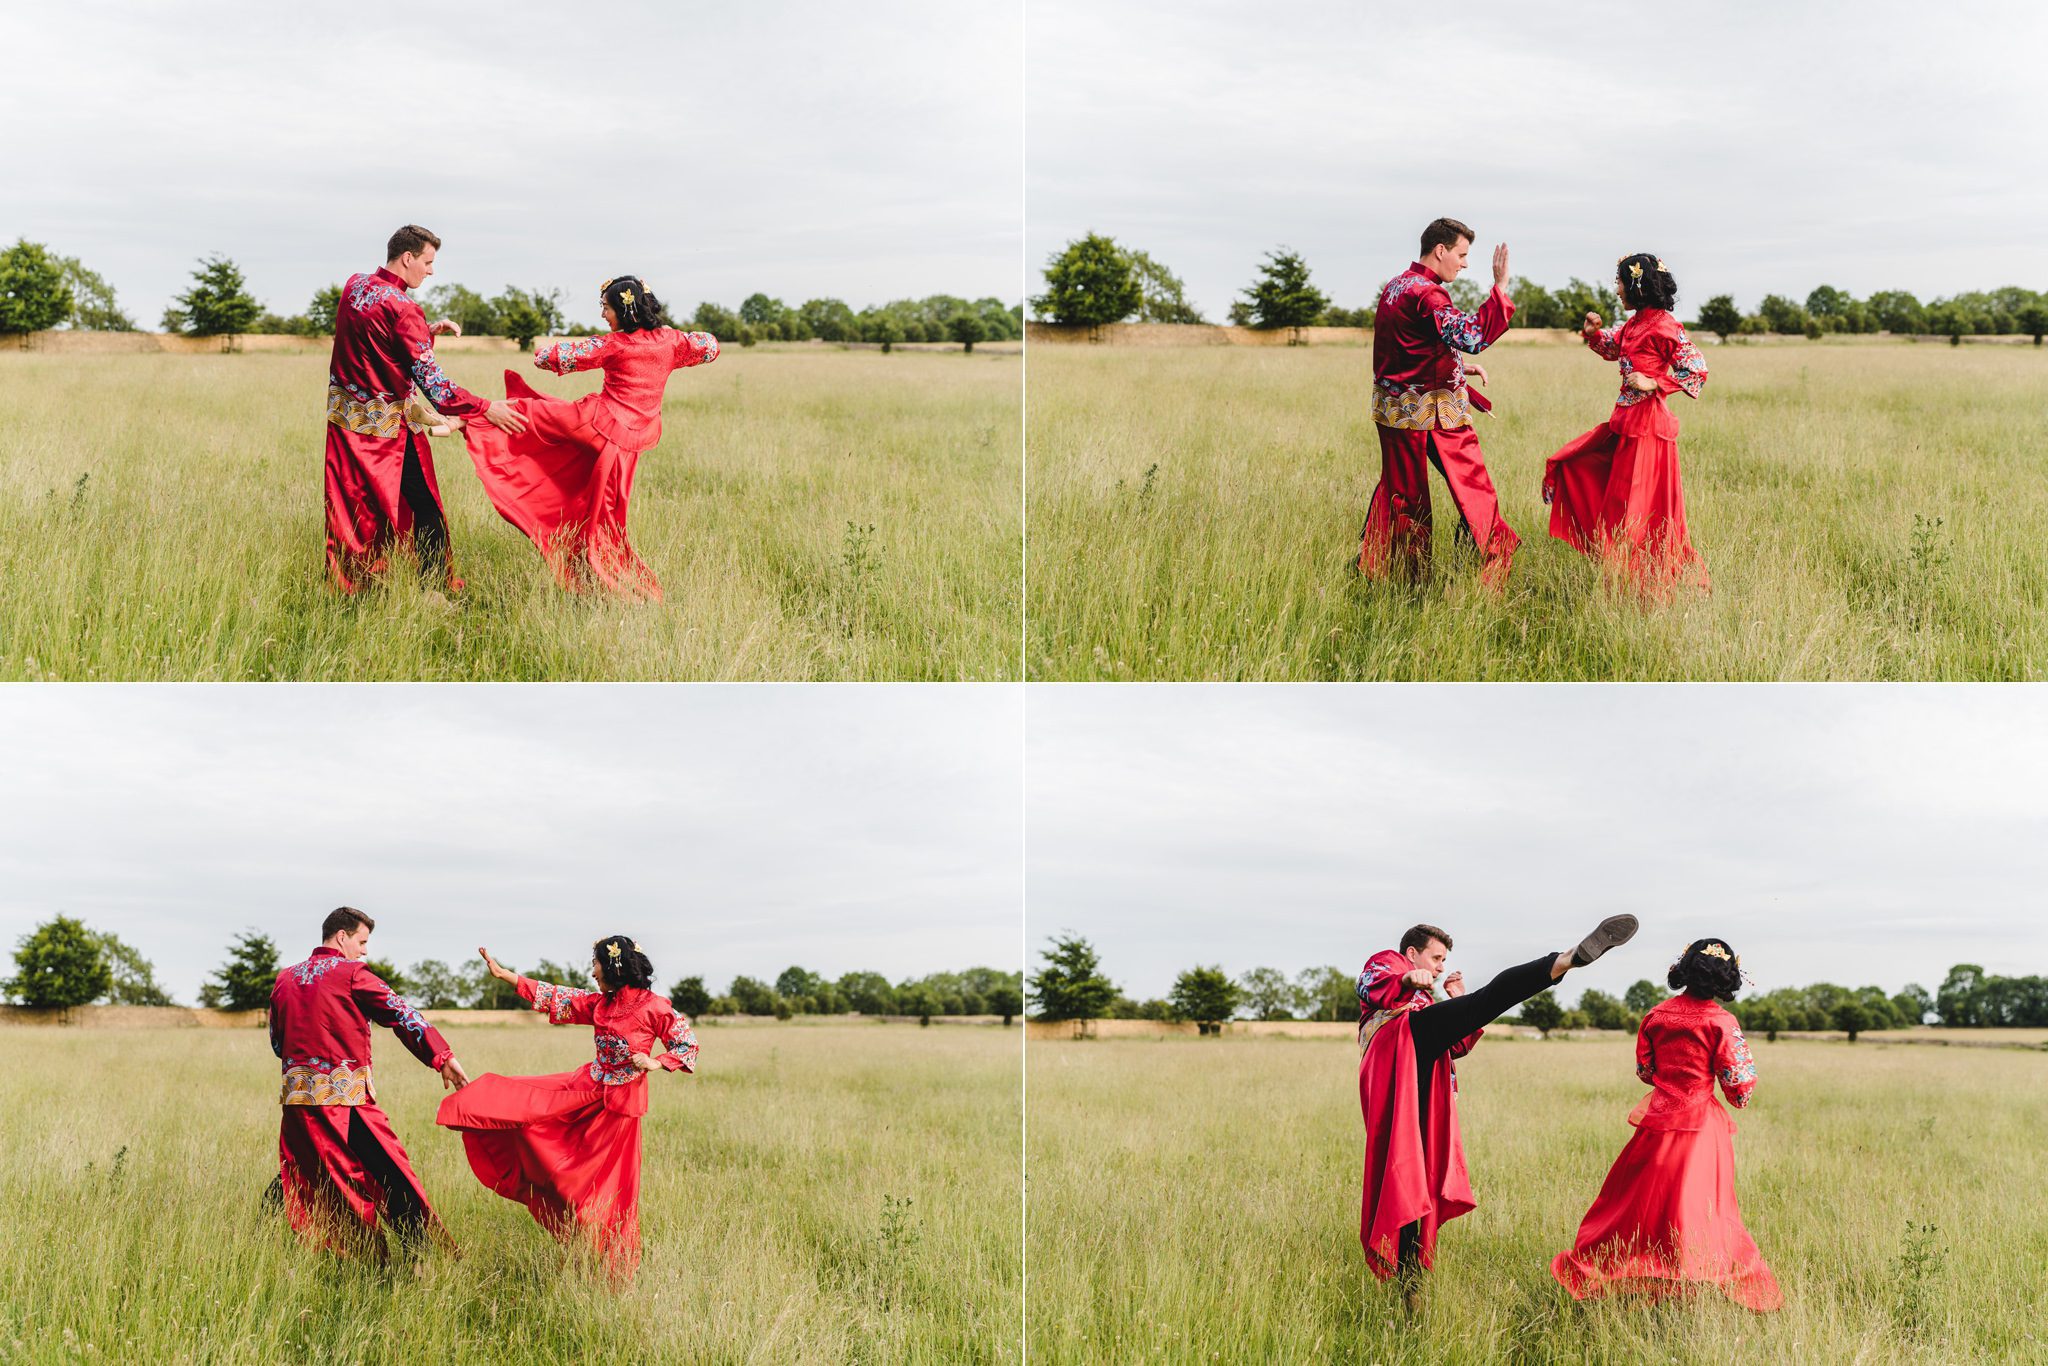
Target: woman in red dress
(566, 479)
(1665, 1221)
(567, 1146)
(1615, 492)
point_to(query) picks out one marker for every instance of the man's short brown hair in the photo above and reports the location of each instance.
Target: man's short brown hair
(1445, 232)
(410, 238)
(344, 920)
(1420, 935)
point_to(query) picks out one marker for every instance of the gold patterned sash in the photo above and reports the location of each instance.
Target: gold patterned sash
(342, 1085)
(1422, 410)
(379, 416)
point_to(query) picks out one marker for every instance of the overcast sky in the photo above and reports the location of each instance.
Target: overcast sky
(1845, 833)
(801, 147)
(1886, 145)
(729, 829)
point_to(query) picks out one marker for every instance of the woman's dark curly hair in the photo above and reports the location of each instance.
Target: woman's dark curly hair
(1645, 283)
(1705, 975)
(634, 303)
(621, 964)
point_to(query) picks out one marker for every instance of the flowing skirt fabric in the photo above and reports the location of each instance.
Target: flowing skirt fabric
(1616, 495)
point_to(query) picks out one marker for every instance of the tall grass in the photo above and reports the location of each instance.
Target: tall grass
(815, 1194)
(811, 514)
(1197, 1201)
(1867, 512)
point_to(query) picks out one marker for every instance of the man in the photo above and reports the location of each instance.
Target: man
(340, 1165)
(380, 472)
(1423, 410)
(1415, 1177)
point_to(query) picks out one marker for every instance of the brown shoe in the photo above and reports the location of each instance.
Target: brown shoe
(1611, 933)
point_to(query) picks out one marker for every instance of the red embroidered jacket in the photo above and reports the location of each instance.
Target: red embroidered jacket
(1381, 992)
(1685, 1045)
(1417, 337)
(636, 368)
(1651, 343)
(320, 1016)
(632, 1021)
(382, 352)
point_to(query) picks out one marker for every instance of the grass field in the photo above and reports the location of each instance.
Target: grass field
(812, 515)
(1197, 1201)
(1867, 512)
(132, 1165)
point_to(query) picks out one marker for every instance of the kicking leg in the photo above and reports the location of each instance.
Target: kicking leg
(1435, 1028)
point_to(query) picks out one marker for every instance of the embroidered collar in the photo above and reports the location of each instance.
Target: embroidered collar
(324, 951)
(1417, 268)
(384, 274)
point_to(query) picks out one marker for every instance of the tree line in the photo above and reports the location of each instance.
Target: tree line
(40, 290)
(1095, 281)
(1070, 985)
(64, 962)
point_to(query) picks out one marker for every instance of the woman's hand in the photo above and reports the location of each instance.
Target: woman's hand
(645, 1062)
(1475, 371)
(498, 971)
(1641, 383)
(1590, 327)
(446, 327)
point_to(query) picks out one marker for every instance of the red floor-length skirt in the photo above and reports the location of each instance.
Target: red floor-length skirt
(1617, 495)
(551, 1144)
(1665, 1222)
(565, 486)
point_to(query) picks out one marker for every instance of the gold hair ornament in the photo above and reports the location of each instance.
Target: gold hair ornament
(613, 950)
(626, 297)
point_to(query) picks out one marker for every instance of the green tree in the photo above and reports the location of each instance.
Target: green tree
(1913, 1005)
(34, 296)
(1603, 1011)
(1328, 993)
(1162, 297)
(795, 982)
(752, 996)
(829, 320)
(1206, 996)
(1268, 995)
(60, 964)
(1782, 316)
(217, 305)
(1282, 295)
(868, 993)
(689, 996)
(764, 315)
(2033, 320)
(562, 975)
(1006, 1000)
(1898, 312)
(477, 315)
(1578, 298)
(482, 991)
(1644, 996)
(93, 306)
(134, 977)
(919, 1000)
(967, 329)
(1720, 315)
(1089, 284)
(390, 976)
(884, 326)
(1536, 306)
(1852, 1018)
(432, 985)
(1070, 985)
(524, 314)
(1542, 1011)
(244, 981)
(1767, 1017)
(1960, 1000)
(1829, 302)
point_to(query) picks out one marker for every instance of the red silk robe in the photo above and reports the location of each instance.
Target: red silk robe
(320, 1016)
(565, 481)
(567, 1145)
(1423, 411)
(380, 472)
(1414, 1159)
(1666, 1220)
(1615, 491)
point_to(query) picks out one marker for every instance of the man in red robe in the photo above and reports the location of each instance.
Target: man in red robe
(1415, 1177)
(380, 472)
(1423, 409)
(340, 1165)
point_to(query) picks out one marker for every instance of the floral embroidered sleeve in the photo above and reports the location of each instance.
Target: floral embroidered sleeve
(1605, 344)
(1735, 1067)
(577, 353)
(562, 1005)
(1379, 982)
(444, 393)
(695, 348)
(1471, 332)
(1687, 367)
(1646, 1058)
(381, 1005)
(678, 1037)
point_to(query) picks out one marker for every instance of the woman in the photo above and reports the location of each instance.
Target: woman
(566, 480)
(1615, 491)
(567, 1146)
(1666, 1221)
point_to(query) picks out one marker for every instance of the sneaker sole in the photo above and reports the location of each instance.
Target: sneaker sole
(1611, 933)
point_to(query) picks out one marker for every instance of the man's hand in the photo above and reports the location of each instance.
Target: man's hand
(446, 327)
(1418, 977)
(1500, 266)
(503, 415)
(1454, 985)
(1475, 371)
(645, 1062)
(453, 1078)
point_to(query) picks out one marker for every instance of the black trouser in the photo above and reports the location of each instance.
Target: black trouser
(1435, 1028)
(429, 527)
(402, 1207)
